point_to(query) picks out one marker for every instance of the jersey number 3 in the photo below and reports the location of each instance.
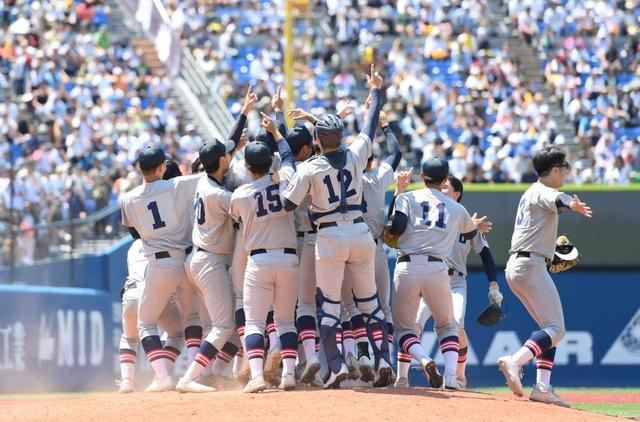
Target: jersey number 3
(157, 220)
(426, 207)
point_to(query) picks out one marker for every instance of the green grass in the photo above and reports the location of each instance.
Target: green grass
(617, 409)
(521, 187)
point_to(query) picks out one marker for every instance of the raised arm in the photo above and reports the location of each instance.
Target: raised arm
(278, 106)
(392, 143)
(250, 99)
(374, 80)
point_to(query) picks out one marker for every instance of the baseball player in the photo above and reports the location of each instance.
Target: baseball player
(376, 181)
(170, 320)
(532, 246)
(271, 276)
(213, 242)
(428, 223)
(237, 176)
(156, 212)
(333, 182)
(457, 262)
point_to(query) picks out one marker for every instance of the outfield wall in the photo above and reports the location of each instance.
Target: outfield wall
(66, 339)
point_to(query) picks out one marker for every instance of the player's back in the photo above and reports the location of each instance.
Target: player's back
(325, 188)
(536, 224)
(461, 249)
(213, 228)
(162, 213)
(376, 181)
(434, 223)
(301, 213)
(265, 223)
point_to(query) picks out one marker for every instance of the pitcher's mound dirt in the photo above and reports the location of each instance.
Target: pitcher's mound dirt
(300, 405)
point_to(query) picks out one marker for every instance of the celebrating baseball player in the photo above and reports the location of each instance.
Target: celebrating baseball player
(427, 224)
(170, 320)
(213, 240)
(272, 270)
(156, 212)
(457, 262)
(333, 183)
(532, 247)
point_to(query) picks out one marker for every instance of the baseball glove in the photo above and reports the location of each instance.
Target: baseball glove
(565, 257)
(388, 238)
(491, 315)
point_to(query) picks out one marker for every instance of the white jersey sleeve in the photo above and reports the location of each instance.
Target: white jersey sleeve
(362, 149)
(136, 262)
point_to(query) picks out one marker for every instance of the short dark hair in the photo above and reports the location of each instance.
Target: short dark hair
(213, 167)
(550, 157)
(196, 166)
(172, 170)
(260, 169)
(150, 171)
(457, 186)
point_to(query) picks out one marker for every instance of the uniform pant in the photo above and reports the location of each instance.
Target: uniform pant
(430, 280)
(383, 280)
(170, 321)
(459, 303)
(530, 281)
(164, 278)
(212, 281)
(307, 276)
(270, 278)
(238, 267)
(347, 247)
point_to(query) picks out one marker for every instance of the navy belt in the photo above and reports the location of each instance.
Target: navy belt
(407, 258)
(165, 254)
(290, 251)
(302, 234)
(335, 223)
(454, 272)
(201, 250)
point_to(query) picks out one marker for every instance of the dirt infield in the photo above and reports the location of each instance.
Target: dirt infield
(272, 405)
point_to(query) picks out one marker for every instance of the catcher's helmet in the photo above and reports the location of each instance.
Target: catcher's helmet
(329, 129)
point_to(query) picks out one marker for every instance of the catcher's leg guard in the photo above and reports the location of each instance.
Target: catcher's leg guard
(376, 326)
(329, 318)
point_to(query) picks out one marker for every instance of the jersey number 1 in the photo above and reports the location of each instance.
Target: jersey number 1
(157, 220)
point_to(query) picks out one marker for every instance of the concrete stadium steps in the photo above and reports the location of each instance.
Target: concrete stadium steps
(121, 23)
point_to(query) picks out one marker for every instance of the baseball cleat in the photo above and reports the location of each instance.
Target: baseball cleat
(255, 385)
(189, 386)
(288, 382)
(384, 376)
(272, 366)
(541, 395)
(462, 382)
(451, 383)
(512, 373)
(160, 385)
(352, 366)
(335, 379)
(366, 370)
(310, 370)
(431, 371)
(401, 382)
(126, 386)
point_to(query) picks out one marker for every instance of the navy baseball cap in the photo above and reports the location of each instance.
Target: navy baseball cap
(257, 155)
(298, 137)
(435, 170)
(268, 139)
(150, 157)
(211, 152)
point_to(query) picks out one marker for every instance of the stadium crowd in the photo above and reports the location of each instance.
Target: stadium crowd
(77, 103)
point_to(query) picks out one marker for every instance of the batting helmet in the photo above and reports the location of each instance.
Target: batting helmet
(329, 129)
